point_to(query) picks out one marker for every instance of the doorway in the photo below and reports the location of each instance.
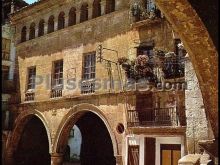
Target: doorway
(170, 154)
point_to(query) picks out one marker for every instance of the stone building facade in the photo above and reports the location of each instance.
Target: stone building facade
(59, 59)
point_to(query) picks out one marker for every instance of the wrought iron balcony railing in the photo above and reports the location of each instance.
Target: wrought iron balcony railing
(55, 93)
(5, 56)
(29, 96)
(88, 86)
(152, 117)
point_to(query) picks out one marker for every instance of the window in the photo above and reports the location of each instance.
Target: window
(89, 66)
(84, 12)
(29, 95)
(5, 72)
(57, 78)
(88, 85)
(41, 28)
(32, 31)
(110, 6)
(31, 78)
(174, 66)
(61, 21)
(150, 5)
(23, 34)
(96, 8)
(51, 24)
(72, 16)
(5, 49)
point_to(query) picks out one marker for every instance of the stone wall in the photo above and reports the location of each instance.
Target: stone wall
(197, 123)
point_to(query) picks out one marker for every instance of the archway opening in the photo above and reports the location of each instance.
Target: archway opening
(33, 146)
(95, 144)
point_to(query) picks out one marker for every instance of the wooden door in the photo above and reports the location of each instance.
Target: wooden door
(170, 154)
(150, 151)
(133, 155)
(144, 105)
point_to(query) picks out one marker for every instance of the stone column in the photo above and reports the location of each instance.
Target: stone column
(103, 6)
(120, 4)
(45, 27)
(55, 23)
(27, 32)
(90, 10)
(66, 20)
(36, 29)
(56, 159)
(78, 12)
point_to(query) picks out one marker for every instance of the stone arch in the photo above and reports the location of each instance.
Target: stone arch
(84, 12)
(72, 117)
(50, 24)
(41, 28)
(96, 9)
(19, 125)
(72, 16)
(23, 34)
(110, 6)
(61, 20)
(32, 31)
(201, 49)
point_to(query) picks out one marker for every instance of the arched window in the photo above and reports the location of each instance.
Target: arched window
(72, 16)
(96, 9)
(23, 34)
(110, 6)
(61, 20)
(41, 28)
(32, 31)
(84, 12)
(51, 24)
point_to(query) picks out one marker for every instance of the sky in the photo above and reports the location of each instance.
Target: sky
(30, 1)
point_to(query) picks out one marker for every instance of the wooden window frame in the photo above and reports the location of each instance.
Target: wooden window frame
(89, 67)
(31, 81)
(57, 74)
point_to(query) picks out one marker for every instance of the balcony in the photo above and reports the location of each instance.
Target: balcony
(29, 95)
(8, 86)
(88, 86)
(152, 117)
(56, 93)
(144, 14)
(5, 56)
